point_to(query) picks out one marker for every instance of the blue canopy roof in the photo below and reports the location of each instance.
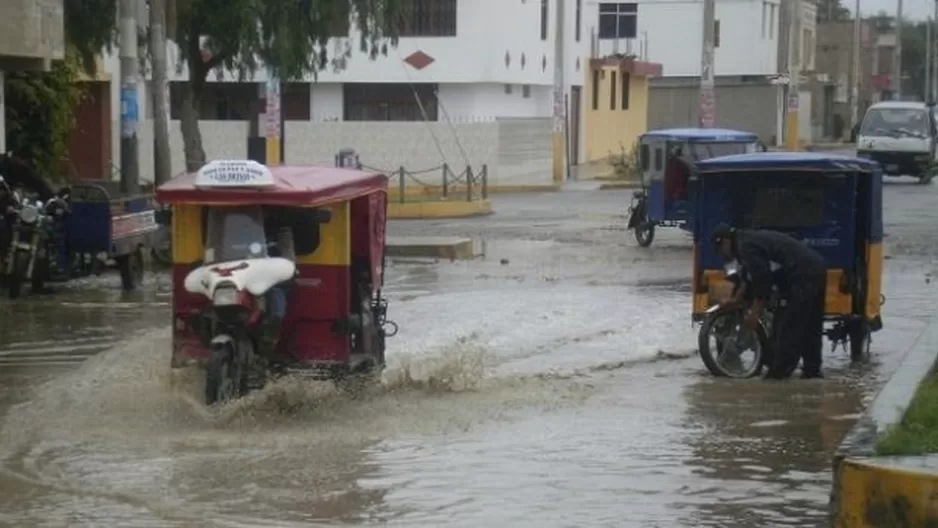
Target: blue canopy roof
(701, 134)
(787, 160)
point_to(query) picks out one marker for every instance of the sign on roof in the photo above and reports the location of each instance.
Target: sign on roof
(234, 173)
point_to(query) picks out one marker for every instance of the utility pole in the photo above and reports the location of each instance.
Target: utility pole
(897, 56)
(158, 89)
(855, 84)
(927, 94)
(794, 73)
(708, 103)
(130, 168)
(559, 117)
(934, 56)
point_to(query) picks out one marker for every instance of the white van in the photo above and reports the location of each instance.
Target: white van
(901, 137)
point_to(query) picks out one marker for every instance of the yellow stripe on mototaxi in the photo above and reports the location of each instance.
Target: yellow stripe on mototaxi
(188, 246)
(335, 239)
(874, 279)
(718, 289)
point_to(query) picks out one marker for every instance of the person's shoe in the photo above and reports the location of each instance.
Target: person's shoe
(812, 375)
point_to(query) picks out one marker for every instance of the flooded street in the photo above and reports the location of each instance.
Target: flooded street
(553, 383)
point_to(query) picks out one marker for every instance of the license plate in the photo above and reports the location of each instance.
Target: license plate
(892, 167)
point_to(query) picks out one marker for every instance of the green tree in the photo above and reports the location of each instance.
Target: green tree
(290, 36)
(832, 11)
(913, 59)
(41, 106)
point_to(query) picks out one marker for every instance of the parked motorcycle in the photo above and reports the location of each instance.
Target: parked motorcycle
(29, 255)
(727, 347)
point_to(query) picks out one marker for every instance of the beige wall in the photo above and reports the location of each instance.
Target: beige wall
(609, 129)
(517, 151)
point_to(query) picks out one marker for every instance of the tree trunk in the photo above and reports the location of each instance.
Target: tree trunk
(191, 135)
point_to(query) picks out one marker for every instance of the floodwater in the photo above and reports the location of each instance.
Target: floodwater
(553, 383)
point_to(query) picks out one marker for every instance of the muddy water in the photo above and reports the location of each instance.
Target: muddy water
(552, 384)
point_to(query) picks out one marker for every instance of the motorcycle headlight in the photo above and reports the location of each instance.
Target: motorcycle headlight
(225, 296)
(29, 214)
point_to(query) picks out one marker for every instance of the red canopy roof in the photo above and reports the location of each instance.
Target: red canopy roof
(295, 185)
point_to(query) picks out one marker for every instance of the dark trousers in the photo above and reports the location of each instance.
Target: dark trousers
(799, 328)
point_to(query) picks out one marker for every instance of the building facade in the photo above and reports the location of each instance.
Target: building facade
(470, 83)
(746, 41)
(32, 34)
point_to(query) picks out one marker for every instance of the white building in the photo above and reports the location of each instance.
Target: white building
(482, 70)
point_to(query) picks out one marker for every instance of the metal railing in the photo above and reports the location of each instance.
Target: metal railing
(469, 184)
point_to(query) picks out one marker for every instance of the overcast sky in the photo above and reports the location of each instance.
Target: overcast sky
(916, 9)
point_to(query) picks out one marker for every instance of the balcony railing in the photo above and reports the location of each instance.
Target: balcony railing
(637, 47)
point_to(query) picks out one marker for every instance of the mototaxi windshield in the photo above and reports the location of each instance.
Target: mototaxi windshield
(235, 233)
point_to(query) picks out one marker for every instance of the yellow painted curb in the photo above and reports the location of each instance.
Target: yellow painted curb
(459, 193)
(438, 209)
(614, 186)
(874, 495)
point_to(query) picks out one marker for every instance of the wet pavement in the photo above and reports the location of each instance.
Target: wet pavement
(552, 383)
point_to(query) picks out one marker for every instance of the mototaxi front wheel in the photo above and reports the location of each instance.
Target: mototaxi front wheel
(728, 349)
(225, 377)
(18, 276)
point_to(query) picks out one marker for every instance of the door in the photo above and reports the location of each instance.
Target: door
(574, 117)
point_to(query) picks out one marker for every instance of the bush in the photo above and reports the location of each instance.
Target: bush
(627, 164)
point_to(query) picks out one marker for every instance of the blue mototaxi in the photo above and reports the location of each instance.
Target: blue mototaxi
(832, 203)
(667, 159)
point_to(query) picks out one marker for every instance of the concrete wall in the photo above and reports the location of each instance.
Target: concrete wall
(751, 107)
(32, 29)
(517, 151)
(610, 129)
(671, 33)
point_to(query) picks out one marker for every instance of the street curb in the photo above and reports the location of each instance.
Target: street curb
(864, 489)
(438, 209)
(616, 186)
(451, 248)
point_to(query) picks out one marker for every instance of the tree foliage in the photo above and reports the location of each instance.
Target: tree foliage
(832, 11)
(41, 110)
(290, 37)
(41, 106)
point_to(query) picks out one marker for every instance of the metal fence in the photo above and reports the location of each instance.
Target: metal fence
(469, 184)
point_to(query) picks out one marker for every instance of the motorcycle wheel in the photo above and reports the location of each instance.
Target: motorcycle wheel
(722, 322)
(645, 234)
(15, 280)
(225, 378)
(131, 269)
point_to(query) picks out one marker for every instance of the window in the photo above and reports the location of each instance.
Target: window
(224, 101)
(716, 33)
(579, 18)
(508, 89)
(618, 20)
(543, 19)
(645, 157)
(659, 162)
(772, 21)
(786, 207)
(612, 92)
(807, 50)
(595, 89)
(427, 18)
(526, 91)
(389, 102)
(626, 80)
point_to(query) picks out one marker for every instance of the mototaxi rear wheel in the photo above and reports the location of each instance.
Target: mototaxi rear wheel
(859, 336)
(723, 356)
